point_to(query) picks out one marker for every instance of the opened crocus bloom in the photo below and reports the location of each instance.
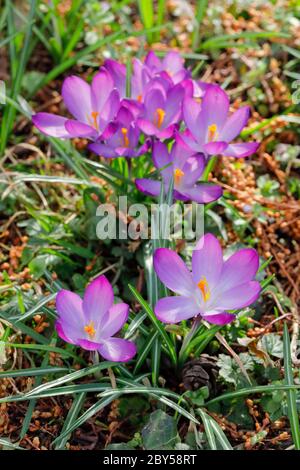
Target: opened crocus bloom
(211, 130)
(93, 107)
(124, 141)
(186, 168)
(213, 289)
(162, 109)
(92, 321)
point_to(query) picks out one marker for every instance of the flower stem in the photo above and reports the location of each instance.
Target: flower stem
(209, 168)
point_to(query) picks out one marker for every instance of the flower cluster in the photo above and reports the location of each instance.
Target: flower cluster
(164, 106)
(183, 123)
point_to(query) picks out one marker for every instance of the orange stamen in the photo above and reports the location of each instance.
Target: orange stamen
(125, 136)
(95, 115)
(212, 132)
(90, 330)
(160, 117)
(204, 289)
(178, 174)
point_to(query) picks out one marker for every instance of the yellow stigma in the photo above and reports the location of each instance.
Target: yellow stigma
(90, 330)
(198, 100)
(125, 136)
(139, 98)
(160, 117)
(204, 289)
(212, 132)
(178, 174)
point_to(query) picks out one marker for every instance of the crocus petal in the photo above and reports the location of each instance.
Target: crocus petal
(152, 60)
(149, 187)
(117, 350)
(161, 159)
(69, 307)
(234, 124)
(176, 309)
(114, 320)
(118, 73)
(102, 86)
(88, 345)
(51, 124)
(219, 318)
(215, 107)
(62, 334)
(173, 272)
(207, 260)
(80, 129)
(188, 140)
(103, 150)
(173, 104)
(76, 94)
(241, 150)
(241, 267)
(203, 193)
(215, 148)
(167, 132)
(146, 126)
(97, 300)
(109, 110)
(237, 297)
(191, 111)
(173, 62)
(192, 169)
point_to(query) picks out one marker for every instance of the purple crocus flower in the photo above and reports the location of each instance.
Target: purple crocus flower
(209, 128)
(214, 286)
(186, 168)
(172, 64)
(141, 76)
(92, 321)
(93, 107)
(124, 141)
(162, 109)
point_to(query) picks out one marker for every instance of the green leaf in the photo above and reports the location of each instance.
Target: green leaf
(291, 394)
(160, 433)
(156, 323)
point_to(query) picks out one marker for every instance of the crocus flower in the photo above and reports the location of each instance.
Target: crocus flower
(124, 141)
(93, 107)
(92, 321)
(172, 64)
(186, 168)
(212, 289)
(162, 109)
(140, 77)
(209, 128)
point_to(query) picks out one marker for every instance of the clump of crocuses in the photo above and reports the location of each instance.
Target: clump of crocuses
(93, 321)
(161, 103)
(214, 287)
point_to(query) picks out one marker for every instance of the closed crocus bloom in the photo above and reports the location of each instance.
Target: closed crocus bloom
(214, 286)
(186, 168)
(92, 321)
(211, 130)
(93, 107)
(172, 64)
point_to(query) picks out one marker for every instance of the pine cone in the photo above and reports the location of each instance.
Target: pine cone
(200, 372)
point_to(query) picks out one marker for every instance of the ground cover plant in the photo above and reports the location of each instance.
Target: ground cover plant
(149, 287)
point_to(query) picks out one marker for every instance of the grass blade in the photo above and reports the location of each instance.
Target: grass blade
(291, 394)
